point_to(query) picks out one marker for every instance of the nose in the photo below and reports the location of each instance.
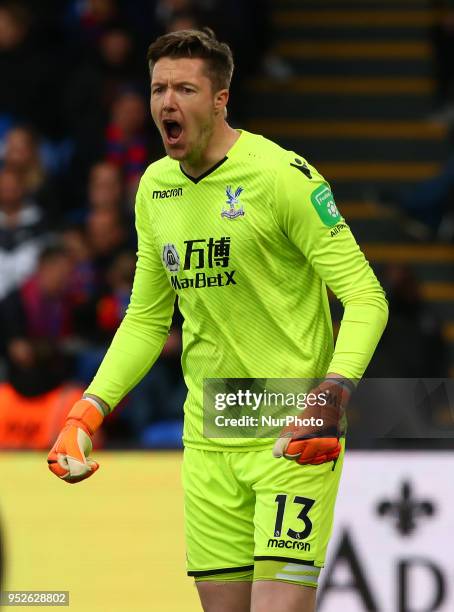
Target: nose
(169, 99)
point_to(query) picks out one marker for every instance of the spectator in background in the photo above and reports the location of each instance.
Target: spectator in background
(183, 21)
(82, 284)
(22, 232)
(28, 89)
(107, 306)
(87, 20)
(105, 191)
(111, 307)
(427, 209)
(98, 317)
(126, 138)
(36, 321)
(22, 156)
(246, 26)
(412, 345)
(106, 188)
(118, 53)
(91, 92)
(102, 231)
(108, 234)
(166, 11)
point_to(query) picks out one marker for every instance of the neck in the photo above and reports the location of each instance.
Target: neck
(219, 144)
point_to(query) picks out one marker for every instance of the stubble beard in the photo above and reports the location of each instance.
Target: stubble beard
(196, 153)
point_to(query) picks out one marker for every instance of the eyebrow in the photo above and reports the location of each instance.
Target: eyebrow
(174, 83)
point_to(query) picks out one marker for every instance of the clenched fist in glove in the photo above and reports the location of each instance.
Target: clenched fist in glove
(68, 458)
(315, 444)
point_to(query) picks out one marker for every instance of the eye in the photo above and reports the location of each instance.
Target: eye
(157, 90)
(187, 90)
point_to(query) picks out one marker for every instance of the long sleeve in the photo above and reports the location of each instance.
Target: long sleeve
(307, 214)
(142, 334)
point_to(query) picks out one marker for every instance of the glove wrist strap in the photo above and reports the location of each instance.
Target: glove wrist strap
(345, 383)
(88, 413)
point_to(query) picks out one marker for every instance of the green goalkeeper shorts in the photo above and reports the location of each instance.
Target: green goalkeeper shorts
(246, 508)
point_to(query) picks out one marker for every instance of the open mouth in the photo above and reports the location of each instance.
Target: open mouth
(173, 130)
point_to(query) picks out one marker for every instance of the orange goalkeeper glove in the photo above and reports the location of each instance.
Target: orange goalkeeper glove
(68, 458)
(315, 444)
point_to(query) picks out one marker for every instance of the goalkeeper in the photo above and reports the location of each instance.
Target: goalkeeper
(247, 235)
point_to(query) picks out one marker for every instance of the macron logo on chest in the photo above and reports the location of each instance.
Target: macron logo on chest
(168, 193)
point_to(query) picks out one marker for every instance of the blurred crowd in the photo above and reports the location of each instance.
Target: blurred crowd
(428, 209)
(75, 137)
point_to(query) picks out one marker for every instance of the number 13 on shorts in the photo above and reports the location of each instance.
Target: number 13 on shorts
(307, 504)
(294, 522)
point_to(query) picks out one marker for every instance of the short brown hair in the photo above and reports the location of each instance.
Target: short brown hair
(201, 44)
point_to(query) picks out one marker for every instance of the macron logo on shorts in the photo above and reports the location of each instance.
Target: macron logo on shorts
(274, 543)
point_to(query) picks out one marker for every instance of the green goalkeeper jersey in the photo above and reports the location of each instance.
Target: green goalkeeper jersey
(249, 249)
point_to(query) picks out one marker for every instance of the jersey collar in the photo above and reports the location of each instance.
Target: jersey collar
(231, 152)
(205, 174)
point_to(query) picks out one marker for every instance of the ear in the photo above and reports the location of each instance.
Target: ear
(220, 101)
